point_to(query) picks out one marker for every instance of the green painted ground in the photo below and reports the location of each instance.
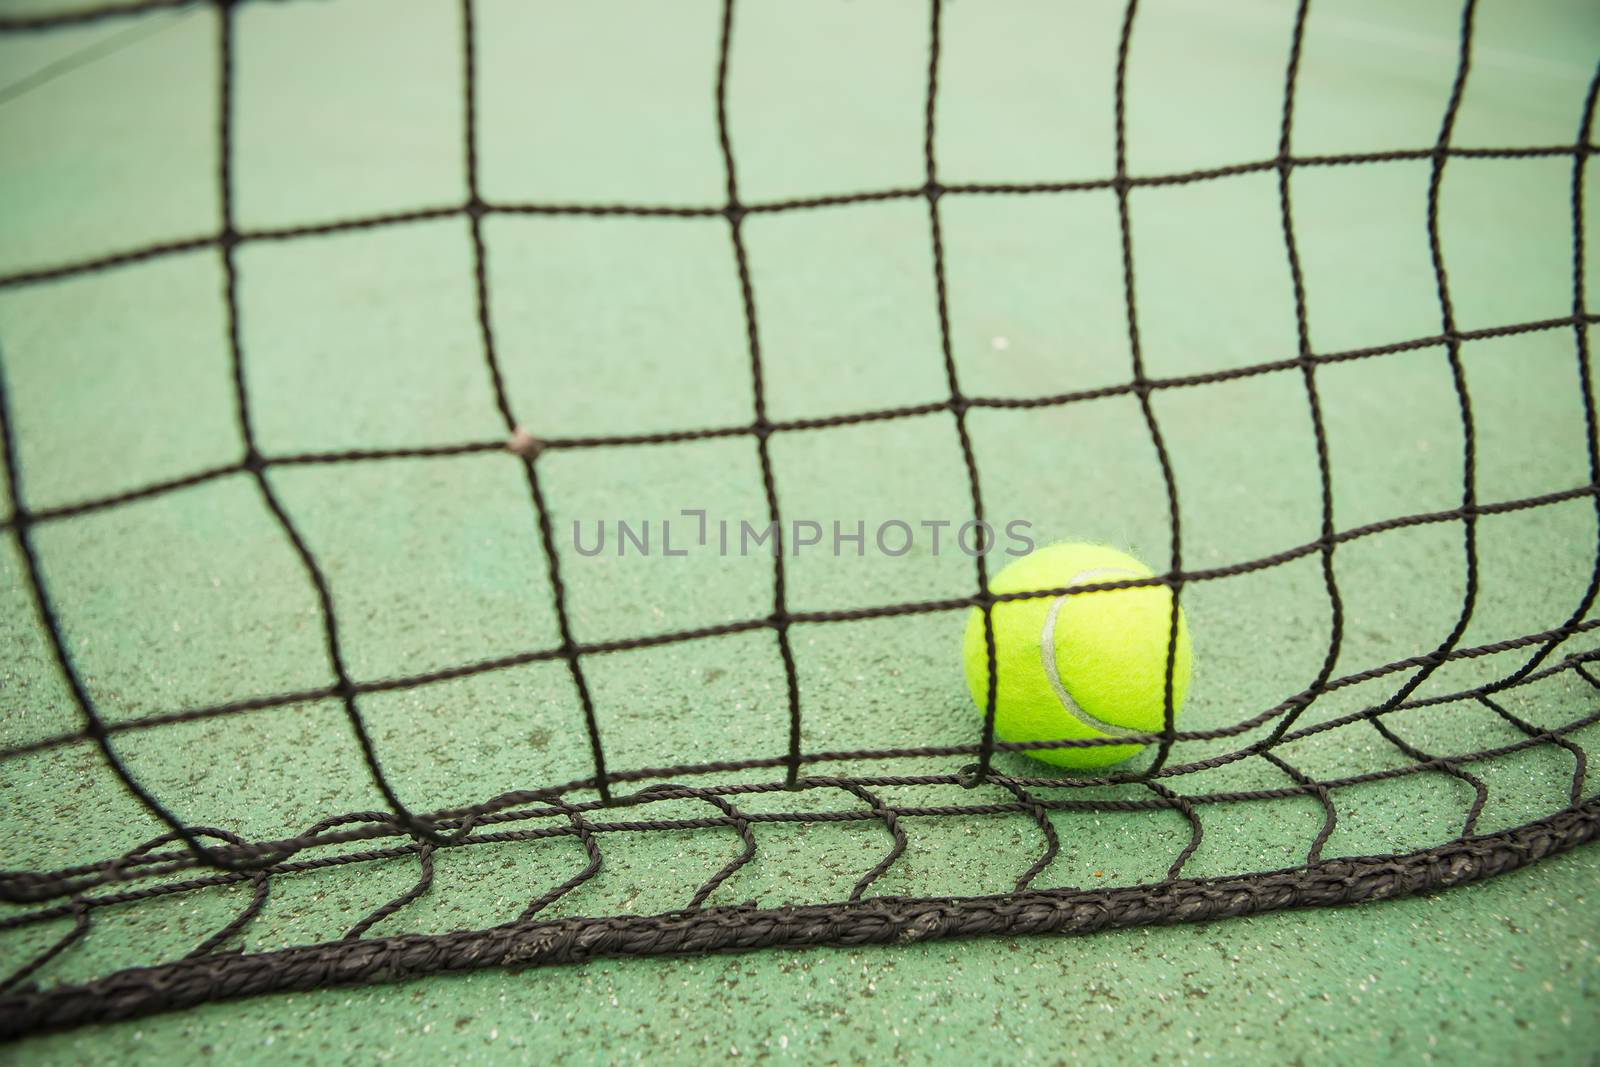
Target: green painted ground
(623, 326)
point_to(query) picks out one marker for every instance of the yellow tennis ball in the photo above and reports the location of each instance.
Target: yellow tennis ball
(1077, 665)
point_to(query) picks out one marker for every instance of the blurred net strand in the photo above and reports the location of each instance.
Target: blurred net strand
(210, 975)
(490, 207)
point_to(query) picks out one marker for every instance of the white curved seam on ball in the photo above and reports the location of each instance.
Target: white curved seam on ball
(1047, 652)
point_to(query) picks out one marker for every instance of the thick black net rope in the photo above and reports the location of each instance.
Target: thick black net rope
(611, 801)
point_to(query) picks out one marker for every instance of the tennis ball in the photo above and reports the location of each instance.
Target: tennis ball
(1077, 665)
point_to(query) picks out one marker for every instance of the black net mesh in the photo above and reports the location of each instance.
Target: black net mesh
(736, 804)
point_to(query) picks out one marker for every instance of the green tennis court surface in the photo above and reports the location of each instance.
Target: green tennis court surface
(632, 326)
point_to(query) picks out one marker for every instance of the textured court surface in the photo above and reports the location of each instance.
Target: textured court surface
(623, 326)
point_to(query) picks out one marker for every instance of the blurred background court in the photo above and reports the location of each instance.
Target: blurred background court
(624, 325)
